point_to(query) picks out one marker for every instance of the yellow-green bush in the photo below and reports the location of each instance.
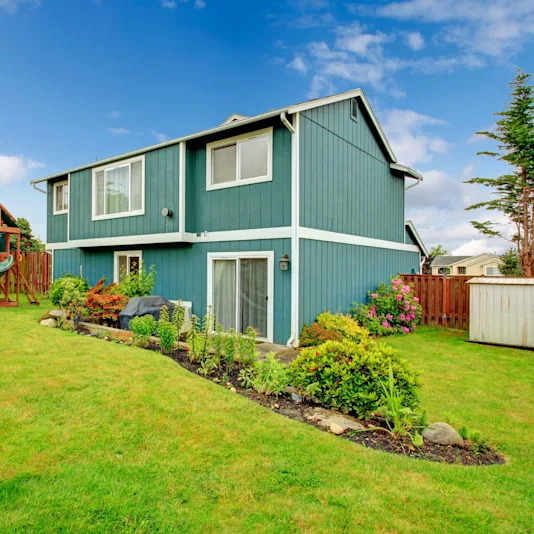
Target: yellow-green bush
(344, 324)
(347, 375)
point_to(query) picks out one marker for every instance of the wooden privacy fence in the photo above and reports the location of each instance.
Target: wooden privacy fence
(444, 299)
(37, 269)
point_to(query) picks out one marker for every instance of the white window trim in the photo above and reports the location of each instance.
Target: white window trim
(238, 139)
(56, 185)
(126, 253)
(486, 267)
(260, 255)
(121, 163)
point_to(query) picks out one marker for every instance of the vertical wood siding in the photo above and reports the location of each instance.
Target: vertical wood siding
(334, 275)
(346, 183)
(263, 205)
(56, 225)
(182, 272)
(161, 191)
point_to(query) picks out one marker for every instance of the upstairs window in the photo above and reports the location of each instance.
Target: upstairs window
(462, 270)
(61, 198)
(119, 189)
(240, 160)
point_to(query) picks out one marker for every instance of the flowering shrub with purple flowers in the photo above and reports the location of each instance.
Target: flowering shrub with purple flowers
(393, 310)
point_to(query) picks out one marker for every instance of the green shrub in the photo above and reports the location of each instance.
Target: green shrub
(332, 327)
(73, 299)
(142, 328)
(347, 376)
(166, 331)
(139, 283)
(55, 293)
(393, 309)
(271, 376)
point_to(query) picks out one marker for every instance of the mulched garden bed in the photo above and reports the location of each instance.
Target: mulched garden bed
(374, 439)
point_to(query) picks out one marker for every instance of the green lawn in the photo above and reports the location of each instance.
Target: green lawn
(99, 437)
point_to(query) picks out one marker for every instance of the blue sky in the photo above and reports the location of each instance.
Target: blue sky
(90, 79)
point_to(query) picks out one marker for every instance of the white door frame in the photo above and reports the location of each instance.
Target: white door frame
(260, 255)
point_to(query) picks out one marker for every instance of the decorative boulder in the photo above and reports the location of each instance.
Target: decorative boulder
(443, 434)
(49, 322)
(143, 306)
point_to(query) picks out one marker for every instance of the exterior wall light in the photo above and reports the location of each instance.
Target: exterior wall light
(166, 212)
(284, 263)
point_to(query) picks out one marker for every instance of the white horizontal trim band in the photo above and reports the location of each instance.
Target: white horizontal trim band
(176, 237)
(347, 239)
(283, 232)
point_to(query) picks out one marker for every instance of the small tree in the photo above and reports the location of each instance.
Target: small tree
(28, 242)
(438, 250)
(513, 193)
(511, 266)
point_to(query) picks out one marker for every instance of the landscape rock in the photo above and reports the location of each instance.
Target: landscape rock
(51, 322)
(443, 434)
(56, 313)
(276, 406)
(326, 418)
(233, 390)
(336, 429)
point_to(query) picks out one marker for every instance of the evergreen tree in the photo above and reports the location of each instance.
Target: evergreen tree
(511, 266)
(513, 193)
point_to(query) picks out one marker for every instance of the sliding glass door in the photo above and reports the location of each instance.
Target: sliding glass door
(240, 288)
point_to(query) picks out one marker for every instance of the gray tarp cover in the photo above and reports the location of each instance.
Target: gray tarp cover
(143, 306)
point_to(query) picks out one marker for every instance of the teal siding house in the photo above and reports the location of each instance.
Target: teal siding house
(269, 219)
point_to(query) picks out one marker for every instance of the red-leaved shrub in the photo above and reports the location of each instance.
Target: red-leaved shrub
(106, 302)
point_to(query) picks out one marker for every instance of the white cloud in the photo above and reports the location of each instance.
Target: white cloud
(10, 6)
(415, 41)
(298, 65)
(200, 4)
(404, 129)
(160, 137)
(113, 115)
(476, 138)
(355, 39)
(119, 131)
(468, 171)
(169, 4)
(474, 247)
(486, 27)
(16, 168)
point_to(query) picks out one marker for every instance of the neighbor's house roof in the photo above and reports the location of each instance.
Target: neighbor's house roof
(409, 226)
(449, 261)
(236, 120)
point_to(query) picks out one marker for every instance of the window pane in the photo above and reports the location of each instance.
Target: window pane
(99, 179)
(137, 185)
(224, 164)
(59, 198)
(117, 190)
(253, 295)
(133, 264)
(66, 196)
(122, 267)
(224, 297)
(254, 154)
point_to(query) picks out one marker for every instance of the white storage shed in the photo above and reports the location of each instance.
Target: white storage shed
(502, 311)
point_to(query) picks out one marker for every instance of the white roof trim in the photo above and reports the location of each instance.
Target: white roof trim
(355, 93)
(417, 237)
(234, 117)
(406, 170)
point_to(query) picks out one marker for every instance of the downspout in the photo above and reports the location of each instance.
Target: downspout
(293, 128)
(34, 185)
(413, 185)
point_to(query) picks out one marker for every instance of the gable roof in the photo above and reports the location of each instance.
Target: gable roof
(409, 227)
(6, 218)
(232, 122)
(447, 261)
